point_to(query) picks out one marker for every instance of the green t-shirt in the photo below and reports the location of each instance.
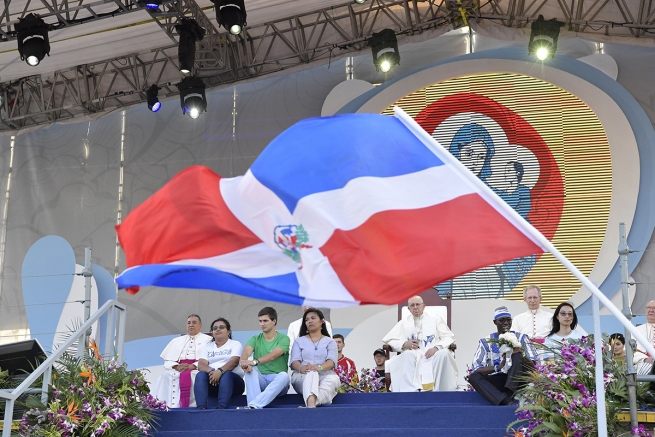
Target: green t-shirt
(263, 347)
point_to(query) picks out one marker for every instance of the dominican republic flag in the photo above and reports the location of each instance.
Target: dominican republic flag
(338, 211)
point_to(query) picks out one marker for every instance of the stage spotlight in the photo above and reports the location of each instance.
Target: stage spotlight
(153, 100)
(152, 4)
(385, 50)
(360, 2)
(192, 96)
(190, 33)
(543, 38)
(33, 42)
(231, 14)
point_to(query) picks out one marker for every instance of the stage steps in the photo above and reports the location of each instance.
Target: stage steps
(452, 414)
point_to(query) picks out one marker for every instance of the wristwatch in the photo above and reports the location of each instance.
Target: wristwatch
(255, 363)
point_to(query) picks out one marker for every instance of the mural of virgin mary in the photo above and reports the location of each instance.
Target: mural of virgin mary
(509, 170)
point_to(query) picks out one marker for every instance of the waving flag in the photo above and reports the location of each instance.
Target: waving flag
(336, 211)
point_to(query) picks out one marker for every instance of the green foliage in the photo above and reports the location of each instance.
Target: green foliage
(560, 397)
(92, 397)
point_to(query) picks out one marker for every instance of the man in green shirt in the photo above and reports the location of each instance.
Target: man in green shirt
(266, 375)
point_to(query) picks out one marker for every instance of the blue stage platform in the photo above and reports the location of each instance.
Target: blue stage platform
(451, 414)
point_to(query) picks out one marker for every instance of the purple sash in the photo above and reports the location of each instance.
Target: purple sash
(185, 385)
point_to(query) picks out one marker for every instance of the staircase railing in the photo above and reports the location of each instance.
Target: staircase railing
(115, 339)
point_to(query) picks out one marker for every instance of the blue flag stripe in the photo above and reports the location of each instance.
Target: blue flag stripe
(324, 154)
(283, 288)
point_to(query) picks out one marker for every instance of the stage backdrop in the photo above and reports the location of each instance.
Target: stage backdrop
(544, 151)
(74, 180)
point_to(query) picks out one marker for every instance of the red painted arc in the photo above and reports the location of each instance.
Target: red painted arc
(548, 193)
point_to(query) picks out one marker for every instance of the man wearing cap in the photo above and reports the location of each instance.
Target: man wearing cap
(536, 322)
(380, 357)
(426, 358)
(497, 376)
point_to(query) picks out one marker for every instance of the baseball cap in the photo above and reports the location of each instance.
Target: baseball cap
(379, 351)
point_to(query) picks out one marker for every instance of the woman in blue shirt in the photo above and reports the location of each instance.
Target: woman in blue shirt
(313, 358)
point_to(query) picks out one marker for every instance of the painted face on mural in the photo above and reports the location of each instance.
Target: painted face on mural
(473, 156)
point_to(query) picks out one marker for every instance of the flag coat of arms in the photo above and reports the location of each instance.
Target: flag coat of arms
(337, 211)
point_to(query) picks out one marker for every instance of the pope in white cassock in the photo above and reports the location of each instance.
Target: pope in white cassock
(426, 358)
(175, 386)
(536, 322)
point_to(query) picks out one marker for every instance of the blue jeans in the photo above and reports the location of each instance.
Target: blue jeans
(262, 389)
(229, 385)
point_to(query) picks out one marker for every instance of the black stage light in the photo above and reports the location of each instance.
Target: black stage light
(385, 50)
(153, 100)
(33, 42)
(190, 33)
(543, 38)
(231, 14)
(192, 96)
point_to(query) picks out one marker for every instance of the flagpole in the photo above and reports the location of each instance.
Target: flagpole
(522, 224)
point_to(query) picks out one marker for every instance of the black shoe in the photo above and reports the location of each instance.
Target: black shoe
(220, 408)
(202, 408)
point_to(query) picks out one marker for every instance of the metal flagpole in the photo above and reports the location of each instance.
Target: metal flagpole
(631, 373)
(518, 221)
(600, 380)
(87, 273)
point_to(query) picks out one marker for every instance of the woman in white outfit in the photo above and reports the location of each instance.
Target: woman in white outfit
(313, 357)
(564, 322)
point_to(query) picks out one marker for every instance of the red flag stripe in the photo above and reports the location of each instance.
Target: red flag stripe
(186, 219)
(397, 254)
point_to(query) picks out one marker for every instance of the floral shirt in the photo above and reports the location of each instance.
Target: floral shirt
(488, 354)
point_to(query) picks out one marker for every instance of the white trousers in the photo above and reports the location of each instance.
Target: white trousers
(405, 370)
(322, 385)
(167, 388)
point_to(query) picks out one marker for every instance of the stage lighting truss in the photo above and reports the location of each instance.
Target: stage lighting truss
(543, 38)
(190, 33)
(231, 14)
(384, 45)
(152, 95)
(461, 10)
(33, 42)
(192, 96)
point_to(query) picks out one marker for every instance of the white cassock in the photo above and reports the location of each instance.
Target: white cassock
(533, 323)
(294, 329)
(411, 371)
(186, 347)
(640, 355)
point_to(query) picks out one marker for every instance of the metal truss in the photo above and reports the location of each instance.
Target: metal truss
(61, 13)
(274, 46)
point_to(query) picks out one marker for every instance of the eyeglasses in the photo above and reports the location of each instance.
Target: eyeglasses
(416, 305)
(565, 314)
(216, 328)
